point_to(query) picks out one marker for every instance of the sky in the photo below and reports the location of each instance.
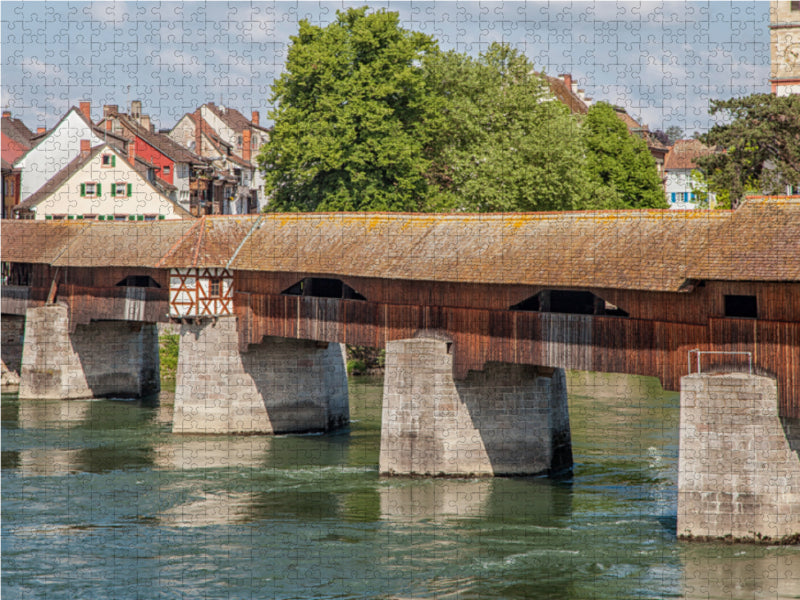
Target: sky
(663, 61)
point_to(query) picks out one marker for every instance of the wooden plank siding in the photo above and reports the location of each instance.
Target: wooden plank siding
(147, 305)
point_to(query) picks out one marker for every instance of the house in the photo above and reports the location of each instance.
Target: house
(678, 166)
(53, 150)
(231, 142)
(16, 141)
(100, 183)
(174, 168)
(566, 91)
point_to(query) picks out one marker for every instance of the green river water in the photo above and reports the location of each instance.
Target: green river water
(101, 500)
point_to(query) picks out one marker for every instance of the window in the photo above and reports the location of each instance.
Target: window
(214, 287)
(120, 217)
(741, 306)
(121, 189)
(166, 170)
(183, 171)
(794, 6)
(109, 160)
(91, 189)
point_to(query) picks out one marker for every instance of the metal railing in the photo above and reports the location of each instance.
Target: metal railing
(699, 353)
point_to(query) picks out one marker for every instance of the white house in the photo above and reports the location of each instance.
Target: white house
(681, 188)
(99, 184)
(55, 149)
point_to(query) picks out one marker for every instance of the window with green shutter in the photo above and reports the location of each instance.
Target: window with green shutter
(130, 189)
(83, 190)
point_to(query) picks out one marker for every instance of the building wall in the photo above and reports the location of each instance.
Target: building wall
(54, 153)
(144, 198)
(154, 156)
(183, 133)
(785, 44)
(679, 182)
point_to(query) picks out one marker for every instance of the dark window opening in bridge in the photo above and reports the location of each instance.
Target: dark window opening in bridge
(321, 287)
(138, 281)
(17, 273)
(741, 306)
(569, 302)
(214, 287)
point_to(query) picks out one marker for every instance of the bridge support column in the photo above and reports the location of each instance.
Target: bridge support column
(738, 475)
(278, 386)
(102, 358)
(12, 330)
(505, 420)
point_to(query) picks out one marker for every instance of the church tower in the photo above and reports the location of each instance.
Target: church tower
(784, 47)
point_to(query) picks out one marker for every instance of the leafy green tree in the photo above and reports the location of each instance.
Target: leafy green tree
(348, 126)
(498, 141)
(760, 146)
(620, 166)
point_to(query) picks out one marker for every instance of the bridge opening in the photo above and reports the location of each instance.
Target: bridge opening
(741, 306)
(569, 302)
(138, 281)
(322, 287)
(17, 273)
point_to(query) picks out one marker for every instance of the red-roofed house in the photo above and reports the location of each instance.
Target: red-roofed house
(174, 168)
(231, 142)
(16, 141)
(678, 166)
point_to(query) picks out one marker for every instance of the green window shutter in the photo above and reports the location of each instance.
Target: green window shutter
(109, 217)
(70, 217)
(113, 189)
(99, 190)
(130, 189)
(113, 160)
(48, 217)
(83, 190)
(140, 217)
(160, 217)
(101, 217)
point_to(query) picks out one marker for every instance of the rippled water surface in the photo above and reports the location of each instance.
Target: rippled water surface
(101, 500)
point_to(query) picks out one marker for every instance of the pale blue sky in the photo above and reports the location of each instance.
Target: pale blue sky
(662, 61)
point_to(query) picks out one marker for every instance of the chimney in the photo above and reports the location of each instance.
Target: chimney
(144, 121)
(246, 143)
(256, 117)
(108, 125)
(136, 109)
(567, 77)
(40, 130)
(86, 146)
(110, 109)
(132, 152)
(86, 109)
(7, 114)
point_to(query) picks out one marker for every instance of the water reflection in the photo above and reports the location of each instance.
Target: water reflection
(739, 572)
(436, 500)
(213, 452)
(209, 508)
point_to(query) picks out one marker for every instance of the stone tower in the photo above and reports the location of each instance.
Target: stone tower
(785, 47)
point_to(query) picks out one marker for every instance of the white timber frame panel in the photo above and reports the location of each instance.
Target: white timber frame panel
(200, 292)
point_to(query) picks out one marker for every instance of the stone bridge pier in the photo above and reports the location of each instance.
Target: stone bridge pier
(101, 358)
(277, 386)
(739, 470)
(507, 419)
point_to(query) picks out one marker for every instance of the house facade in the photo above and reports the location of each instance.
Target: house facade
(16, 141)
(230, 141)
(100, 183)
(55, 149)
(174, 166)
(681, 186)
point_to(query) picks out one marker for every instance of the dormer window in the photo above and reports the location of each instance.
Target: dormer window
(166, 170)
(109, 160)
(90, 189)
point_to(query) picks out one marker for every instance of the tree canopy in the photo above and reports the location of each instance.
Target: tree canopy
(619, 164)
(374, 117)
(759, 147)
(348, 127)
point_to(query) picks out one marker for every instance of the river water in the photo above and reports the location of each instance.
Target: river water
(101, 500)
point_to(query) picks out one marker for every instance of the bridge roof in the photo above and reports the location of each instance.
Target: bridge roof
(760, 242)
(646, 250)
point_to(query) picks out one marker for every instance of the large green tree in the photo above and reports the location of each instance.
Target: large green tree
(499, 141)
(621, 168)
(759, 146)
(348, 124)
